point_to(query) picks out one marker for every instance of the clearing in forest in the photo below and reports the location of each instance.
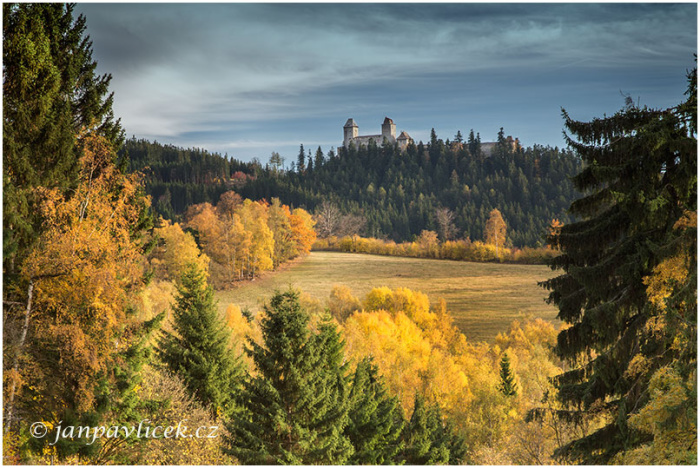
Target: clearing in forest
(484, 298)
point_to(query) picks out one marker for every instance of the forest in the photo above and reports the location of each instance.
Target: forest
(397, 195)
(110, 325)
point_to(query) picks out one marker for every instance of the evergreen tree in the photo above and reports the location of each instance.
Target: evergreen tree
(508, 386)
(429, 440)
(318, 161)
(376, 420)
(310, 163)
(458, 137)
(301, 160)
(296, 404)
(502, 146)
(640, 179)
(433, 137)
(199, 351)
(50, 94)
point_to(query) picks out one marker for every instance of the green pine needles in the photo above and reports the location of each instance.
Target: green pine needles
(296, 405)
(640, 182)
(376, 420)
(198, 352)
(429, 440)
(302, 407)
(508, 386)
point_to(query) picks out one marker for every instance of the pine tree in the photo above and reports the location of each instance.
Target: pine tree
(50, 94)
(301, 160)
(318, 161)
(296, 404)
(199, 351)
(429, 440)
(640, 180)
(508, 386)
(376, 420)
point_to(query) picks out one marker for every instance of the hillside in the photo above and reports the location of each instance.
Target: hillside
(397, 194)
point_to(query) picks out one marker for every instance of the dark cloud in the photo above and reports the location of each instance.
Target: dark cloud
(253, 78)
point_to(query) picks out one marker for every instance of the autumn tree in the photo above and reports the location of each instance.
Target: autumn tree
(428, 242)
(554, 229)
(302, 226)
(446, 227)
(640, 182)
(198, 352)
(327, 216)
(175, 250)
(72, 342)
(495, 230)
(253, 217)
(279, 222)
(50, 93)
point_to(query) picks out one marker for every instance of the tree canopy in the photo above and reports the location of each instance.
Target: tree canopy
(638, 216)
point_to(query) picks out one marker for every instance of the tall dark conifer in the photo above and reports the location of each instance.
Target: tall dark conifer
(376, 421)
(296, 403)
(301, 160)
(429, 440)
(198, 352)
(640, 180)
(508, 386)
(50, 93)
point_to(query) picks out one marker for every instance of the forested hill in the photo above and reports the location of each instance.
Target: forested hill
(398, 194)
(177, 177)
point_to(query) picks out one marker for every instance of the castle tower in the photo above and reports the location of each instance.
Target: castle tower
(389, 130)
(350, 131)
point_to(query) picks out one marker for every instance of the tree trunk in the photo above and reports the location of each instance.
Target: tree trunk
(20, 347)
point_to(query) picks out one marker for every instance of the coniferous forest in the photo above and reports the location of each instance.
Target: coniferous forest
(116, 352)
(398, 194)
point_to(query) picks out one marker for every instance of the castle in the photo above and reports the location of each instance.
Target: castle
(351, 130)
(351, 135)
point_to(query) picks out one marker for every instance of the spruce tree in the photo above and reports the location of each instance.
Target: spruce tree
(508, 386)
(376, 420)
(296, 403)
(640, 181)
(50, 94)
(198, 352)
(429, 440)
(301, 160)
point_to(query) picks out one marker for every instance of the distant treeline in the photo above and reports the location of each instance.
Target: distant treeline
(397, 194)
(177, 178)
(427, 245)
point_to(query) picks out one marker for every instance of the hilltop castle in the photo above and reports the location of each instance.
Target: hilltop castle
(351, 135)
(351, 130)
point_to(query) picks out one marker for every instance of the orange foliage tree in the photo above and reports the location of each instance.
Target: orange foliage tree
(244, 238)
(81, 277)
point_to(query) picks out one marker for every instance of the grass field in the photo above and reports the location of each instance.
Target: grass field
(484, 298)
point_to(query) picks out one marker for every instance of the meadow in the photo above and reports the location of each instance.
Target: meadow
(484, 298)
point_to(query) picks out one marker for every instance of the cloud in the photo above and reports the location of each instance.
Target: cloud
(239, 68)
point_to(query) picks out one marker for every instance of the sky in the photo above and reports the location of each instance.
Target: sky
(249, 79)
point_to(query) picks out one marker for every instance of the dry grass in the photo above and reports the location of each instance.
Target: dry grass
(484, 298)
